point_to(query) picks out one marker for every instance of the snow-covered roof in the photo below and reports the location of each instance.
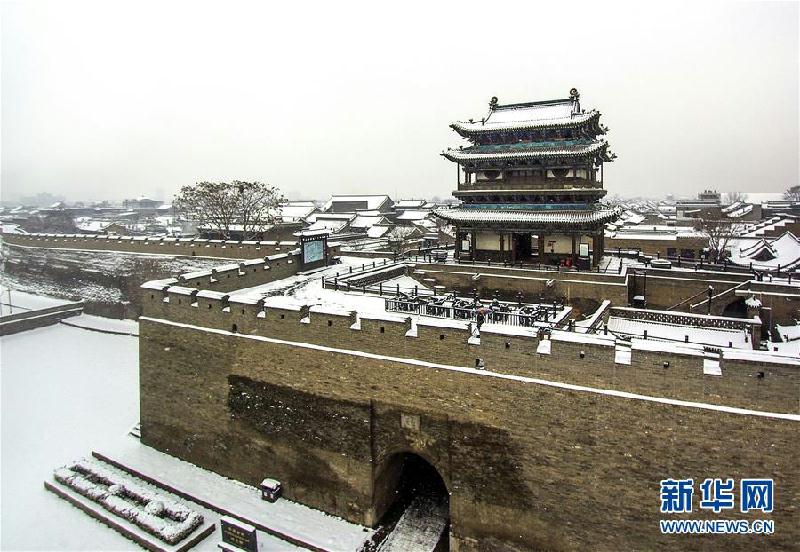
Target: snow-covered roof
(409, 204)
(740, 210)
(547, 114)
(769, 225)
(364, 221)
(631, 217)
(332, 225)
(765, 253)
(565, 217)
(372, 201)
(377, 231)
(529, 150)
(93, 225)
(292, 212)
(655, 232)
(413, 214)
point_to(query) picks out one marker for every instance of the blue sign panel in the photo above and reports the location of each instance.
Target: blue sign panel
(313, 251)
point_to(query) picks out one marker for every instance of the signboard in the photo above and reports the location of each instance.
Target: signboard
(313, 251)
(584, 250)
(238, 534)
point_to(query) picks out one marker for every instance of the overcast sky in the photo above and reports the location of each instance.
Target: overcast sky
(105, 100)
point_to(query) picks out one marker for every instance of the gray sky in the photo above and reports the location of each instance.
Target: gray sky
(105, 100)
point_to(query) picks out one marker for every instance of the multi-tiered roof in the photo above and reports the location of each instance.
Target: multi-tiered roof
(545, 130)
(536, 163)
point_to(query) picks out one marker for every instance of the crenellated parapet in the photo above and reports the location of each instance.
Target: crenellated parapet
(745, 379)
(155, 245)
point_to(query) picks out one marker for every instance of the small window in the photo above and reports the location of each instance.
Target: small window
(234, 328)
(383, 329)
(508, 344)
(152, 296)
(209, 305)
(242, 311)
(283, 316)
(330, 323)
(441, 337)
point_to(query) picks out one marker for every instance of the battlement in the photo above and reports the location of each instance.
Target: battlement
(191, 247)
(229, 277)
(746, 379)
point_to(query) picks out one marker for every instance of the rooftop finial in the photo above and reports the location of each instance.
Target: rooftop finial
(493, 102)
(573, 94)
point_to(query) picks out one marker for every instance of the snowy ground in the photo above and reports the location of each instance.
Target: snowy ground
(719, 337)
(80, 393)
(63, 391)
(13, 301)
(109, 325)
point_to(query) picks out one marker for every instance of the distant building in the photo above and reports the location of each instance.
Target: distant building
(296, 211)
(351, 203)
(142, 204)
(100, 227)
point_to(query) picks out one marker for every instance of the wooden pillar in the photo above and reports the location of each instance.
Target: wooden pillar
(602, 245)
(457, 251)
(502, 247)
(574, 252)
(597, 247)
(541, 246)
(514, 245)
(473, 238)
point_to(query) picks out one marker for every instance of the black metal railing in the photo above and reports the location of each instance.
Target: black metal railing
(480, 312)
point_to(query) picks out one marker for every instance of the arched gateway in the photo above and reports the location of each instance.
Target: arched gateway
(411, 500)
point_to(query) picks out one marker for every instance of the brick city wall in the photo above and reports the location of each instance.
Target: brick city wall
(229, 277)
(446, 342)
(527, 465)
(656, 247)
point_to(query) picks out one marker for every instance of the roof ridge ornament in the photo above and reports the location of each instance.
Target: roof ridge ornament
(575, 96)
(493, 103)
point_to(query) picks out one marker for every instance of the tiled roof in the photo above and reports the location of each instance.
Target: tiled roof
(528, 150)
(533, 217)
(526, 119)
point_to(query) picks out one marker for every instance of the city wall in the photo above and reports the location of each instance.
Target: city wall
(154, 245)
(229, 277)
(317, 398)
(581, 359)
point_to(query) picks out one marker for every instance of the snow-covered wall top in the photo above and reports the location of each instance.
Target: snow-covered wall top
(153, 245)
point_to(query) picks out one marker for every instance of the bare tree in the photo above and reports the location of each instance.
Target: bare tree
(734, 197)
(220, 206)
(400, 236)
(792, 194)
(720, 233)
